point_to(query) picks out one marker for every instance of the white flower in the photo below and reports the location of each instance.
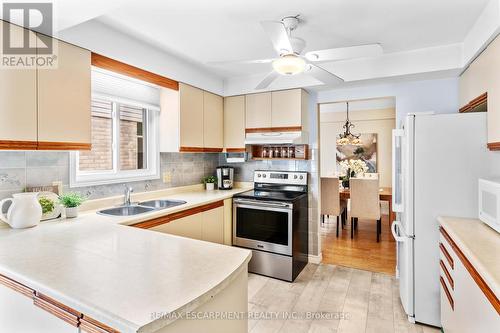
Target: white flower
(356, 166)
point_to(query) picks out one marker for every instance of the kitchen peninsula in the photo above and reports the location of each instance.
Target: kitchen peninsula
(94, 274)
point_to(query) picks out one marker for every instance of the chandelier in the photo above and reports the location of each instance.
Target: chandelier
(348, 138)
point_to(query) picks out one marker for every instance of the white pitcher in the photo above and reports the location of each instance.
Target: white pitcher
(24, 212)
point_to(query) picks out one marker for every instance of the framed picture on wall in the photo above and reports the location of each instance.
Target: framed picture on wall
(366, 151)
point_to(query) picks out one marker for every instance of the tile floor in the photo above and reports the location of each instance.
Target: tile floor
(349, 300)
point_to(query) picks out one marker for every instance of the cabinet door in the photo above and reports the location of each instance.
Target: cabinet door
(287, 108)
(19, 314)
(17, 100)
(213, 133)
(191, 116)
(64, 115)
(258, 110)
(189, 226)
(234, 122)
(212, 228)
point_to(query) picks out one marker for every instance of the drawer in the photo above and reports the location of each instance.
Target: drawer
(446, 296)
(447, 274)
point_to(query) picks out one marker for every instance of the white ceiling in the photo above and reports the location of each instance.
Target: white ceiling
(220, 30)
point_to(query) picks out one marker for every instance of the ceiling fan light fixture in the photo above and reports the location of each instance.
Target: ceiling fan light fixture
(289, 64)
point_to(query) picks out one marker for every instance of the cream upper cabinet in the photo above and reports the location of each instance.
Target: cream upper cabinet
(64, 114)
(483, 76)
(18, 118)
(234, 122)
(213, 134)
(258, 110)
(191, 116)
(287, 108)
(212, 225)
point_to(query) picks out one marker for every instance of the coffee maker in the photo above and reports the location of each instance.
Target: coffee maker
(225, 175)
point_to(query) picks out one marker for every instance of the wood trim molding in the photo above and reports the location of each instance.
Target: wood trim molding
(90, 325)
(448, 275)
(63, 146)
(492, 298)
(199, 150)
(16, 286)
(494, 145)
(59, 304)
(236, 150)
(447, 255)
(57, 311)
(274, 129)
(447, 292)
(178, 215)
(132, 71)
(18, 145)
(481, 99)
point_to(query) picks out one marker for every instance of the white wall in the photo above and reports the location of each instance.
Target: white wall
(106, 41)
(439, 96)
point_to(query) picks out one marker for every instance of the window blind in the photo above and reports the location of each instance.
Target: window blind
(113, 85)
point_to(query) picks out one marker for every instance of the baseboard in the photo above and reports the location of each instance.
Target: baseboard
(315, 259)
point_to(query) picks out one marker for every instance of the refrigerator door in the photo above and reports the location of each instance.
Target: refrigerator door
(450, 156)
(397, 170)
(404, 246)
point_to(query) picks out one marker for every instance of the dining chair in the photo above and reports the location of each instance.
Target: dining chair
(365, 202)
(371, 175)
(330, 201)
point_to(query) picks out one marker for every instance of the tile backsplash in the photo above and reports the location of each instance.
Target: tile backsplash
(19, 169)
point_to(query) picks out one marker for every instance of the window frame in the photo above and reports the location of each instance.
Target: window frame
(102, 177)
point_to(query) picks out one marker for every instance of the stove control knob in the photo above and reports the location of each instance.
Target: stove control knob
(295, 177)
(264, 175)
(301, 177)
(259, 175)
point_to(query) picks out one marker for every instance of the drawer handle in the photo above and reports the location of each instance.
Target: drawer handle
(56, 311)
(448, 275)
(447, 255)
(447, 292)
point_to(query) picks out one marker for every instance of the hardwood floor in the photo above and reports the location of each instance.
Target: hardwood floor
(328, 298)
(363, 251)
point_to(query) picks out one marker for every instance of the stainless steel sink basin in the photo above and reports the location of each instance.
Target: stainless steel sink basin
(162, 204)
(126, 210)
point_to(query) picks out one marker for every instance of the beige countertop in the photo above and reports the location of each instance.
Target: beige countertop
(121, 275)
(480, 244)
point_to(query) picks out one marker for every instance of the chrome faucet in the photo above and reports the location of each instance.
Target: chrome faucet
(128, 191)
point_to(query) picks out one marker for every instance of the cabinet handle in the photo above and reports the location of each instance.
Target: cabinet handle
(89, 325)
(56, 311)
(446, 255)
(447, 292)
(448, 275)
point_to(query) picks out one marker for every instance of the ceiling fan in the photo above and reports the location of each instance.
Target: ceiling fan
(291, 61)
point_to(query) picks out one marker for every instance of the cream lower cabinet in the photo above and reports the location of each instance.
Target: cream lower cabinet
(464, 306)
(208, 224)
(19, 314)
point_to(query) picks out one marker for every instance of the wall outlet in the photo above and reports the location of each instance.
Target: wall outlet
(167, 177)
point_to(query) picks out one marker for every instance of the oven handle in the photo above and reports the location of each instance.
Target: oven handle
(263, 204)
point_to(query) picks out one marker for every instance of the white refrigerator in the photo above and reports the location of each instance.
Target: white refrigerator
(437, 160)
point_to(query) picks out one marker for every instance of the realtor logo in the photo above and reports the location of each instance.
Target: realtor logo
(25, 48)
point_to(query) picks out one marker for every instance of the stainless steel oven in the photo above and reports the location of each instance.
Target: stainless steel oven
(263, 225)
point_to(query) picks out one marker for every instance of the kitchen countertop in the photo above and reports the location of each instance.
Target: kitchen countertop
(480, 244)
(119, 275)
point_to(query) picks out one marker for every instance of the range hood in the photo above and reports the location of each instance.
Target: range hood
(276, 138)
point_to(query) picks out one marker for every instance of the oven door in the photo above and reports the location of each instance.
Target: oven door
(263, 225)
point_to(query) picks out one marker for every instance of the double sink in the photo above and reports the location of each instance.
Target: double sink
(141, 208)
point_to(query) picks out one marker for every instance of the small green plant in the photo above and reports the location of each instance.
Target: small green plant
(71, 199)
(47, 204)
(209, 179)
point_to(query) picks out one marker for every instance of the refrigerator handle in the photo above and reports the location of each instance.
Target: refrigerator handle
(394, 226)
(397, 204)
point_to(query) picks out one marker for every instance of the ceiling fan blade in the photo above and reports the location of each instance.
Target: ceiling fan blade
(361, 51)
(239, 62)
(278, 35)
(323, 75)
(267, 80)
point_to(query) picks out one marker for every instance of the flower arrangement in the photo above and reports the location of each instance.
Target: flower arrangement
(354, 166)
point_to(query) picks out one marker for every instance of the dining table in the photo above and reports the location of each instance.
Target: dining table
(385, 195)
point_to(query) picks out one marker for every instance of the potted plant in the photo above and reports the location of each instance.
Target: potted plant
(71, 201)
(210, 182)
